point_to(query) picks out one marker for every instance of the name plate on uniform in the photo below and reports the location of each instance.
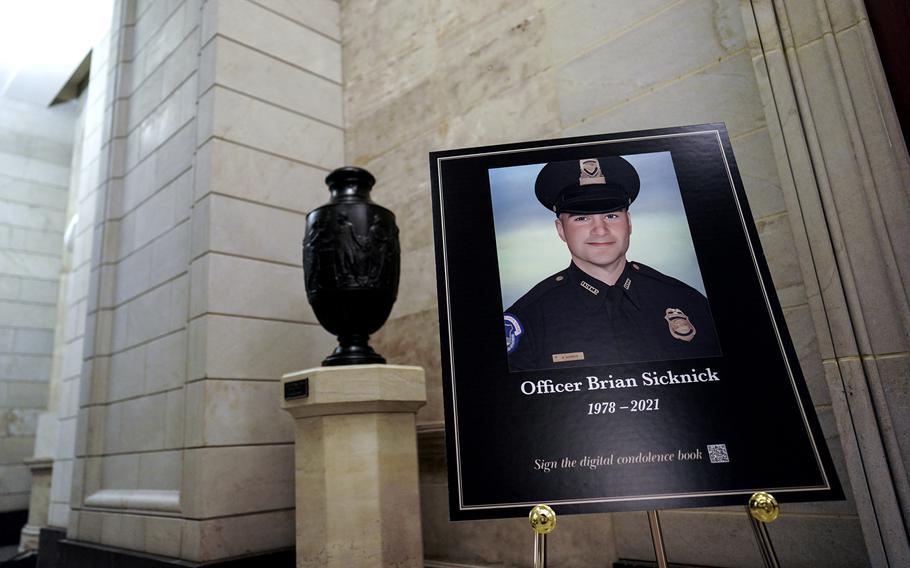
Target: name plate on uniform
(563, 357)
(611, 337)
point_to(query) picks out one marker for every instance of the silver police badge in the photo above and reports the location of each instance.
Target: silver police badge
(513, 332)
(680, 326)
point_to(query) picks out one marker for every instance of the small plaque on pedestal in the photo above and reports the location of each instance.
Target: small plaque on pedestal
(297, 389)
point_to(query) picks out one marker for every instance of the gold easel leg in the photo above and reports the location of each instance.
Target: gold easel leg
(540, 551)
(763, 508)
(760, 530)
(543, 521)
(657, 538)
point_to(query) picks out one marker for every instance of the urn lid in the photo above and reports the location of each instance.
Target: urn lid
(350, 175)
(350, 183)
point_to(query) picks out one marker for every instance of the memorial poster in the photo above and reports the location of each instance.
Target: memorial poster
(611, 338)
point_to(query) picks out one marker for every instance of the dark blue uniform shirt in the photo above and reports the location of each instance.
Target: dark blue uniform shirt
(571, 319)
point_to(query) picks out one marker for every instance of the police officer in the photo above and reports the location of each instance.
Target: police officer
(602, 309)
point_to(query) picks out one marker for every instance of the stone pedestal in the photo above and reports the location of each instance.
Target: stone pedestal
(357, 492)
(41, 469)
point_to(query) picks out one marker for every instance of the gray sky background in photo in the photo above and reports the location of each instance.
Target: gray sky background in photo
(529, 249)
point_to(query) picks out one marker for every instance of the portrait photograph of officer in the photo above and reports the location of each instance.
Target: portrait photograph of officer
(579, 286)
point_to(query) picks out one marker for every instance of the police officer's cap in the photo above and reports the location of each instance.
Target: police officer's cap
(593, 185)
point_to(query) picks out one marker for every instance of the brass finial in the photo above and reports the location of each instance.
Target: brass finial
(542, 519)
(763, 507)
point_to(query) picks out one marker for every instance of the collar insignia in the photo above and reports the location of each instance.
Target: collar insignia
(589, 288)
(627, 284)
(680, 326)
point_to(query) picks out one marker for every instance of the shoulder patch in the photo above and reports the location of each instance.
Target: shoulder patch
(513, 331)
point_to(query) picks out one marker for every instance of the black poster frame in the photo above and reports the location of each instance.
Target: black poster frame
(760, 403)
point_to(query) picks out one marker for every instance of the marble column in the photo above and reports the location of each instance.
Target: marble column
(845, 170)
(357, 487)
(39, 500)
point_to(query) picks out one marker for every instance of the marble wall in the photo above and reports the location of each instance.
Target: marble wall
(845, 171)
(35, 150)
(129, 419)
(87, 185)
(270, 129)
(209, 126)
(431, 76)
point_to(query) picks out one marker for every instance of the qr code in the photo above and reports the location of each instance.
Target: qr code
(717, 453)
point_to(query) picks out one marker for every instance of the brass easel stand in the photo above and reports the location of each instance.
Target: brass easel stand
(762, 509)
(543, 521)
(657, 538)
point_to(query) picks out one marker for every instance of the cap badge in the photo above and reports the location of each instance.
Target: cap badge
(680, 326)
(590, 172)
(589, 288)
(513, 332)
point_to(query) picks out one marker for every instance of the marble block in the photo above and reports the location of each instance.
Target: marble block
(356, 473)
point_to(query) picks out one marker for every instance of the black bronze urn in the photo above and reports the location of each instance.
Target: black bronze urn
(351, 264)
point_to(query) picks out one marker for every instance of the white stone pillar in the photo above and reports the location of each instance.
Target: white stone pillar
(39, 499)
(845, 170)
(357, 487)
